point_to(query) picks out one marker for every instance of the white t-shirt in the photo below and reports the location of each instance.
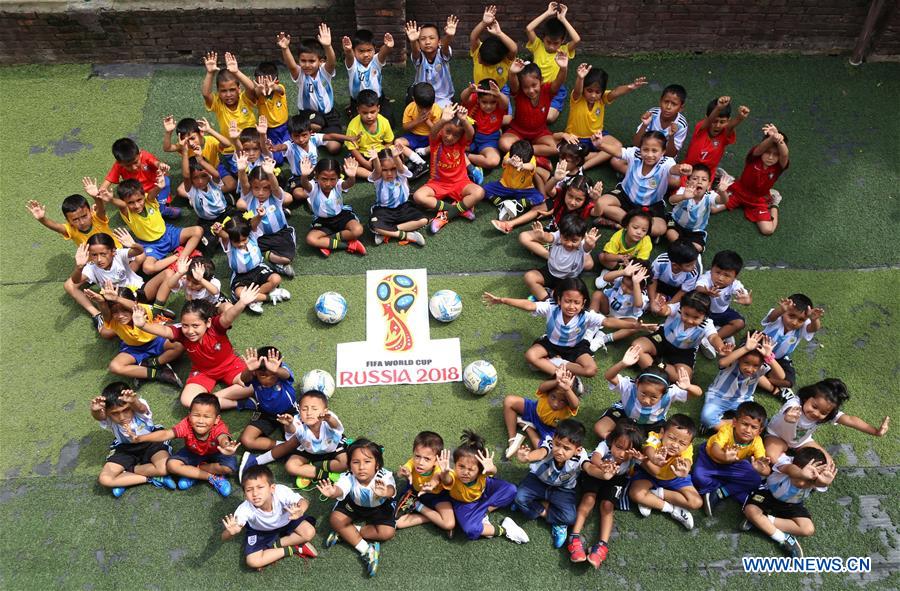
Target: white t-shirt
(795, 434)
(278, 517)
(119, 272)
(721, 302)
(200, 294)
(562, 262)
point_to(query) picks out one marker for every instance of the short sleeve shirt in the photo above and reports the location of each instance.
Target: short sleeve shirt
(119, 272)
(616, 245)
(708, 150)
(212, 351)
(145, 174)
(278, 517)
(666, 472)
(498, 72)
(242, 113)
(547, 61)
(382, 137)
(201, 447)
(724, 437)
(412, 112)
(585, 120)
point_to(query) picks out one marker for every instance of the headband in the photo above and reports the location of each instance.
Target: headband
(653, 376)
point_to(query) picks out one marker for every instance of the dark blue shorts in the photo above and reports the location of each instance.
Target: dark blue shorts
(559, 101)
(153, 348)
(588, 144)
(165, 245)
(496, 189)
(227, 165)
(192, 459)
(416, 141)
(676, 483)
(530, 415)
(433, 500)
(257, 540)
(722, 318)
(485, 140)
(278, 135)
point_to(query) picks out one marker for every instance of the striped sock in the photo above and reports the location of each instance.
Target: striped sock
(336, 243)
(402, 235)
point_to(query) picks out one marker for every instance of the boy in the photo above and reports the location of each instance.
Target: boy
(271, 103)
(200, 185)
(793, 320)
(129, 463)
(315, 96)
(567, 252)
(364, 67)
(515, 191)
(425, 500)
(693, 203)
(208, 452)
(368, 131)
(722, 286)
(431, 54)
(141, 165)
(274, 517)
(713, 134)
(663, 481)
(419, 117)
(537, 419)
(544, 48)
(303, 143)
(673, 273)
(492, 57)
(273, 394)
(777, 509)
(667, 119)
(733, 462)
(198, 135)
(548, 490)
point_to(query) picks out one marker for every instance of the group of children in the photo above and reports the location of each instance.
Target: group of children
(244, 176)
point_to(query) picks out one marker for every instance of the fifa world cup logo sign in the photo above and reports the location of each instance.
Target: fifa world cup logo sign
(397, 293)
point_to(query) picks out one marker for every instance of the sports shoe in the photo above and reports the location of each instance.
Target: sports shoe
(169, 212)
(356, 247)
(684, 517)
(707, 349)
(406, 503)
(575, 547)
(785, 394)
(578, 386)
(559, 533)
(598, 554)
(331, 539)
(306, 550)
(371, 558)
(117, 491)
(326, 252)
(284, 270)
(710, 500)
(425, 153)
(279, 294)
(469, 214)
(303, 483)
(507, 211)
(379, 239)
(186, 483)
(644, 510)
(255, 307)
(167, 375)
(248, 460)
(476, 173)
(418, 169)
(600, 282)
(416, 238)
(163, 312)
(162, 482)
(792, 546)
(221, 484)
(745, 525)
(774, 198)
(599, 341)
(514, 532)
(515, 442)
(440, 220)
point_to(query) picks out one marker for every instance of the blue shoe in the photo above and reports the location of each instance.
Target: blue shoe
(118, 491)
(476, 174)
(792, 547)
(371, 558)
(186, 483)
(170, 213)
(332, 539)
(559, 533)
(248, 460)
(221, 484)
(162, 482)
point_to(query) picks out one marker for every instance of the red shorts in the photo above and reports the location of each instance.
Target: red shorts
(754, 210)
(224, 373)
(452, 190)
(174, 266)
(531, 136)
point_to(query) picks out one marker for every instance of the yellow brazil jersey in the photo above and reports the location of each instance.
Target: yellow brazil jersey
(130, 334)
(725, 437)
(547, 61)
(586, 120)
(211, 149)
(517, 179)
(549, 416)
(412, 112)
(498, 72)
(242, 113)
(466, 493)
(616, 245)
(417, 480)
(98, 226)
(274, 108)
(666, 473)
(148, 225)
(379, 139)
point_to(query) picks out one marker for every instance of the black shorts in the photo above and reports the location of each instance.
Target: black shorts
(329, 122)
(617, 413)
(669, 353)
(790, 374)
(383, 514)
(257, 275)
(209, 242)
(283, 243)
(667, 289)
(606, 490)
(567, 353)
(388, 218)
(266, 423)
(336, 224)
(551, 281)
(325, 457)
(695, 236)
(129, 455)
(763, 499)
(657, 210)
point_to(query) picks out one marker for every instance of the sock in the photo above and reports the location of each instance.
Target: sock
(667, 507)
(418, 507)
(159, 304)
(278, 442)
(497, 201)
(441, 205)
(288, 551)
(470, 167)
(358, 527)
(151, 373)
(265, 458)
(362, 547)
(658, 491)
(523, 203)
(771, 519)
(415, 157)
(602, 543)
(402, 235)
(778, 536)
(499, 530)
(460, 207)
(99, 317)
(722, 492)
(336, 243)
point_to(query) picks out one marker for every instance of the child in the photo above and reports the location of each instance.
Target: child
(777, 509)
(430, 54)
(663, 480)
(201, 187)
(574, 197)
(673, 273)
(625, 297)
(793, 320)
(753, 191)
(543, 49)
(739, 373)
(425, 500)
(449, 141)
(273, 394)
(364, 67)
(548, 490)
(515, 191)
(334, 225)
(645, 400)
(418, 118)
(587, 109)
(532, 97)
(208, 452)
(392, 215)
(303, 143)
(487, 106)
(733, 461)
(198, 135)
(364, 493)
(692, 205)
(714, 134)
(271, 103)
(315, 96)
(537, 419)
(492, 57)
(98, 261)
(721, 284)
(474, 492)
(567, 252)
(630, 242)
(132, 163)
(274, 517)
(118, 410)
(260, 192)
(666, 119)
(368, 131)
(196, 278)
(605, 476)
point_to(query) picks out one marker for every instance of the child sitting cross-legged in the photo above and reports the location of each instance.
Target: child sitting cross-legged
(273, 395)
(693, 203)
(566, 250)
(537, 419)
(721, 284)
(624, 297)
(335, 225)
(425, 500)
(392, 214)
(515, 191)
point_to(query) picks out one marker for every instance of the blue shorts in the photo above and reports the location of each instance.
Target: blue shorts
(140, 352)
(278, 135)
(509, 108)
(496, 189)
(588, 144)
(256, 540)
(192, 459)
(416, 141)
(722, 318)
(559, 101)
(227, 165)
(485, 140)
(165, 192)
(676, 483)
(530, 415)
(164, 245)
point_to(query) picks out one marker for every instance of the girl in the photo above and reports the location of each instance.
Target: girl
(646, 179)
(195, 277)
(532, 98)
(574, 197)
(632, 241)
(605, 476)
(797, 420)
(98, 261)
(392, 215)
(201, 187)
(142, 356)
(474, 493)
(203, 333)
(486, 105)
(625, 298)
(238, 238)
(568, 319)
(365, 493)
(567, 252)
(334, 225)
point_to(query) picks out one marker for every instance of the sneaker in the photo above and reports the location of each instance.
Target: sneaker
(97, 322)
(559, 533)
(745, 525)
(172, 213)
(792, 546)
(163, 312)
(523, 424)
(425, 153)
(221, 484)
(279, 294)
(117, 491)
(598, 554)
(774, 198)
(284, 270)
(162, 482)
(514, 532)
(255, 307)
(515, 442)
(710, 500)
(600, 282)
(331, 539)
(507, 211)
(405, 504)
(785, 394)
(599, 341)
(469, 214)
(303, 483)
(306, 550)
(326, 252)
(644, 510)
(575, 548)
(248, 460)
(371, 558)
(476, 173)
(418, 169)
(167, 375)
(416, 238)
(440, 220)
(186, 483)
(707, 349)
(578, 386)
(356, 247)
(684, 517)
(379, 239)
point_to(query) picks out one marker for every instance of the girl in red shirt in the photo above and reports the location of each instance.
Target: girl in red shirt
(532, 98)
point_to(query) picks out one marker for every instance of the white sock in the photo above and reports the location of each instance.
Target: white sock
(778, 536)
(415, 157)
(265, 458)
(278, 442)
(362, 547)
(659, 491)
(771, 519)
(667, 507)
(358, 527)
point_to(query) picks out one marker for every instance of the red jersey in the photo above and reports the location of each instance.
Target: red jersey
(485, 123)
(201, 447)
(146, 172)
(448, 163)
(213, 350)
(708, 150)
(529, 117)
(559, 205)
(756, 180)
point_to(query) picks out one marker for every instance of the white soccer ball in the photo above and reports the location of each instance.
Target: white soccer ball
(331, 307)
(319, 380)
(480, 377)
(445, 305)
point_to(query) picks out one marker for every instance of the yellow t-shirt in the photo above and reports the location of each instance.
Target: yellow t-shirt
(211, 149)
(130, 334)
(499, 73)
(148, 225)
(547, 61)
(98, 226)
(412, 111)
(725, 437)
(585, 120)
(382, 137)
(242, 113)
(517, 179)
(549, 416)
(466, 493)
(616, 245)
(417, 480)
(274, 108)
(666, 472)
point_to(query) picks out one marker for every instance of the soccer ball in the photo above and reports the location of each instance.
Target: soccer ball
(480, 377)
(319, 380)
(445, 305)
(331, 307)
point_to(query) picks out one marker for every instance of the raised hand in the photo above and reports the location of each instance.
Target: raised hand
(274, 360)
(639, 275)
(82, 255)
(450, 27)
(128, 397)
(283, 40)
(495, 90)
(683, 169)
(681, 467)
(724, 101)
(233, 132)
(324, 35)
(591, 238)
(646, 118)
(169, 123)
(262, 124)
(350, 166)
(885, 425)
(251, 359)
(230, 447)
(346, 43)
(444, 460)
(231, 62)
(792, 415)
(108, 291)
(583, 70)
(785, 305)
(638, 82)
(211, 62)
(98, 404)
(160, 178)
(562, 59)
(388, 40)
(517, 66)
(522, 454)
(490, 14)
(816, 313)
(596, 192)
(753, 340)
(139, 317)
(231, 525)
(561, 11)
(90, 186)
(761, 465)
(827, 473)
(744, 297)
(461, 111)
(197, 271)
(659, 303)
(486, 460)
(766, 346)
(327, 488)
(248, 295)
(241, 160)
(379, 488)
(811, 470)
(286, 419)
(449, 112)
(124, 237)
(294, 511)
(268, 165)
(403, 472)
(37, 209)
(412, 31)
(731, 453)
(306, 166)
(561, 169)
(684, 378)
(632, 355)
(744, 111)
(564, 378)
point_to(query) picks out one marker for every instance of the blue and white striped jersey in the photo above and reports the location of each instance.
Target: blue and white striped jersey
(694, 215)
(294, 153)
(781, 487)
(436, 73)
(273, 219)
(363, 495)
(565, 476)
(365, 77)
(785, 341)
(682, 337)
(329, 438)
(645, 415)
(621, 300)
(625, 467)
(326, 206)
(567, 334)
(646, 189)
(661, 270)
(680, 122)
(244, 260)
(208, 204)
(315, 94)
(721, 302)
(392, 193)
(141, 424)
(733, 386)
